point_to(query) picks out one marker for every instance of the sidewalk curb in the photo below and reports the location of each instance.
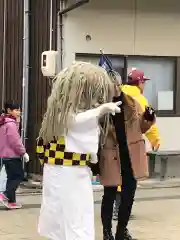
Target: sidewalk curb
(36, 188)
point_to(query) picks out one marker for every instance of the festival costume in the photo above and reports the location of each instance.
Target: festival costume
(67, 166)
(64, 214)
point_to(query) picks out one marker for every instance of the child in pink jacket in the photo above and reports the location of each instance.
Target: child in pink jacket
(11, 153)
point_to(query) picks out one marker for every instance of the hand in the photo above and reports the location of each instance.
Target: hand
(94, 158)
(113, 107)
(149, 114)
(156, 148)
(26, 157)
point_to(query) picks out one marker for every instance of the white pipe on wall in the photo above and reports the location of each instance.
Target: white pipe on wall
(60, 37)
(51, 25)
(25, 81)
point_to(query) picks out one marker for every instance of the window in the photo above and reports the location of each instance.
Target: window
(161, 72)
(118, 62)
(164, 73)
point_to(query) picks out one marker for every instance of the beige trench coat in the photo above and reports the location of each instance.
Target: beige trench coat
(109, 159)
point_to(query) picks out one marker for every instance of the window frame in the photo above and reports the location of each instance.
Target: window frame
(96, 55)
(176, 85)
(176, 78)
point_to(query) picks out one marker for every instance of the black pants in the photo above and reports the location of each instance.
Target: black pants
(128, 190)
(15, 175)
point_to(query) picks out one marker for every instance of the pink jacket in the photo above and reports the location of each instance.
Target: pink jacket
(11, 145)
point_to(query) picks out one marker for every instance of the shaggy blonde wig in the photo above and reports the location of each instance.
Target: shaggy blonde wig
(78, 88)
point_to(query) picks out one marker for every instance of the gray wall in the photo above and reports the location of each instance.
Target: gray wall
(132, 27)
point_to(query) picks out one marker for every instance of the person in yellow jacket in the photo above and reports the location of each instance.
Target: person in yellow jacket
(135, 88)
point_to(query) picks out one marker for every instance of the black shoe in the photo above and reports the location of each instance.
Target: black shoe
(124, 236)
(127, 235)
(107, 235)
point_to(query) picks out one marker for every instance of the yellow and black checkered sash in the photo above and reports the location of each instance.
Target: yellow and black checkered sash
(54, 153)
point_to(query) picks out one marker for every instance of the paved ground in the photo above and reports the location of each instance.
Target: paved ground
(157, 214)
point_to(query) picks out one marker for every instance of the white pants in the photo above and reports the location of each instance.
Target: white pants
(67, 211)
(3, 179)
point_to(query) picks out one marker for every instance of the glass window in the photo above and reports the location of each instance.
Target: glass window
(161, 71)
(117, 61)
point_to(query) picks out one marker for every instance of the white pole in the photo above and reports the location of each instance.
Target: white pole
(60, 37)
(51, 25)
(4, 54)
(25, 80)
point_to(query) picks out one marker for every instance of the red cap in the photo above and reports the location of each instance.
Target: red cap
(136, 76)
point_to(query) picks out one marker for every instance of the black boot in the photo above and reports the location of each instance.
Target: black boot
(123, 235)
(127, 235)
(107, 235)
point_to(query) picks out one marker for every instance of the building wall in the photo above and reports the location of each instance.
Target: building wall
(1, 43)
(13, 46)
(39, 86)
(130, 27)
(133, 27)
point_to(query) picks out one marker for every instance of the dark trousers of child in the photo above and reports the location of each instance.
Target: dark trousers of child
(15, 175)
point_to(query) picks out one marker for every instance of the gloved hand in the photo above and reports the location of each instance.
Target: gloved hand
(26, 157)
(94, 158)
(156, 147)
(101, 110)
(149, 114)
(110, 108)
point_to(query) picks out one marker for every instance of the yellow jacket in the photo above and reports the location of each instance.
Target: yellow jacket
(152, 134)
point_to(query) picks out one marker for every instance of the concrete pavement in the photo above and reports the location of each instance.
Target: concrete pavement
(157, 216)
(146, 184)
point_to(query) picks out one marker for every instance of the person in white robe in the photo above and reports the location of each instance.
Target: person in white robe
(68, 142)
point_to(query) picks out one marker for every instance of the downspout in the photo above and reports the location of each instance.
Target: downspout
(4, 54)
(60, 32)
(64, 10)
(51, 25)
(25, 80)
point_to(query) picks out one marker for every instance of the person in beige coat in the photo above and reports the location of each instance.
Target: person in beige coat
(123, 161)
